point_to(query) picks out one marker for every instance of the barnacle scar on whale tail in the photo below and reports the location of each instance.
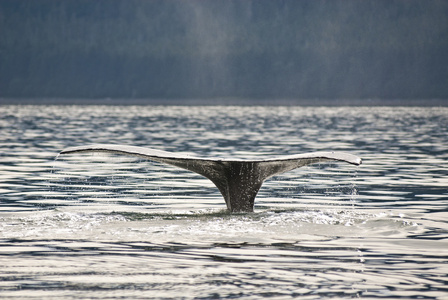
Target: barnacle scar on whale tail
(238, 180)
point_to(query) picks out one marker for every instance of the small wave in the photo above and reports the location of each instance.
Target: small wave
(205, 225)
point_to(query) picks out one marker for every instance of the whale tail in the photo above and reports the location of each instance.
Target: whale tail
(238, 180)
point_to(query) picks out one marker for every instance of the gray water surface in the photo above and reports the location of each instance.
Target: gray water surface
(103, 226)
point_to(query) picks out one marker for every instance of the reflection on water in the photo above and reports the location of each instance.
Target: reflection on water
(108, 226)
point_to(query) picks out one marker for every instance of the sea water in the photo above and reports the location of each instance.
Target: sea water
(102, 226)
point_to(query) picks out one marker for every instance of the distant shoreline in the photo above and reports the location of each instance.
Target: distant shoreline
(226, 102)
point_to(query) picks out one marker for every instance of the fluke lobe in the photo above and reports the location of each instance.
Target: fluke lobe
(238, 180)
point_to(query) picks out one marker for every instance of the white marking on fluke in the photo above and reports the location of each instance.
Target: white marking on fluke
(238, 180)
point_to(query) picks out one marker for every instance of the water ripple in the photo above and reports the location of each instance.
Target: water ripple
(107, 226)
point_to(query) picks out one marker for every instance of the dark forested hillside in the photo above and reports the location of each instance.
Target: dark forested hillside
(224, 48)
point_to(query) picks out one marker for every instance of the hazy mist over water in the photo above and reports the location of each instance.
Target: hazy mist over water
(107, 227)
(214, 50)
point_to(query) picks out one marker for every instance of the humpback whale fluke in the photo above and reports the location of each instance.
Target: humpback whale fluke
(237, 180)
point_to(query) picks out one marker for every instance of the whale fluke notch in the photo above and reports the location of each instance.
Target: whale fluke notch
(238, 180)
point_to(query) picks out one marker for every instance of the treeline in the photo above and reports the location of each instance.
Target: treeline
(224, 48)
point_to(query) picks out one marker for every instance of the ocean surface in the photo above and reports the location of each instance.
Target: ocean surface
(106, 226)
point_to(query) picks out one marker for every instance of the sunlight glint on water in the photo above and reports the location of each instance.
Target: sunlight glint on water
(108, 226)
